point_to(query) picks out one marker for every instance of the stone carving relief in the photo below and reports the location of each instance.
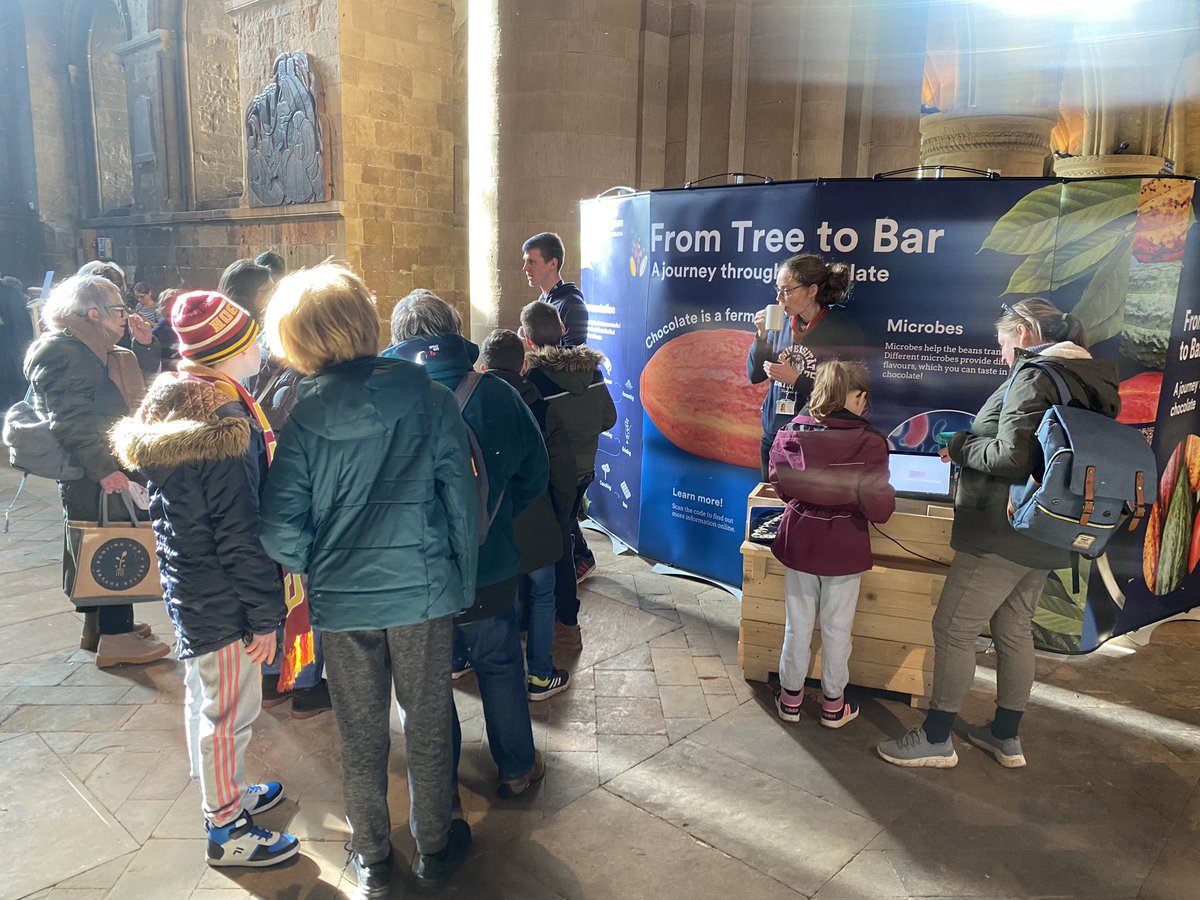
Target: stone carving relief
(285, 162)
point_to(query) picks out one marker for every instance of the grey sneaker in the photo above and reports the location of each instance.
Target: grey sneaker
(914, 750)
(1006, 750)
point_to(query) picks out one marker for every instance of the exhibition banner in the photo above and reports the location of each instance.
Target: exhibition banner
(674, 278)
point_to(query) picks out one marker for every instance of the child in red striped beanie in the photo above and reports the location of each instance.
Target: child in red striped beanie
(205, 457)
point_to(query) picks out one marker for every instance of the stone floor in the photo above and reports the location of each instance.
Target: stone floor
(668, 775)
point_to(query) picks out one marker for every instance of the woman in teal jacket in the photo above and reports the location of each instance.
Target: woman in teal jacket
(372, 495)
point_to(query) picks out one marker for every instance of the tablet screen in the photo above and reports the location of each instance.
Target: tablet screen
(918, 475)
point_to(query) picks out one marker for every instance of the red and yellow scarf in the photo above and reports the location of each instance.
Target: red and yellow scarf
(297, 630)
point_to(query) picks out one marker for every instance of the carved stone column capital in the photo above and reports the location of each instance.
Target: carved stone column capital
(1010, 144)
(1093, 166)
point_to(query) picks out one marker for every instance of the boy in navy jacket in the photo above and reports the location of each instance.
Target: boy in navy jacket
(204, 456)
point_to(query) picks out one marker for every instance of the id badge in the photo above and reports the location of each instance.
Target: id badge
(785, 408)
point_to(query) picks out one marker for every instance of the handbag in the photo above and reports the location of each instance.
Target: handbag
(32, 448)
(115, 563)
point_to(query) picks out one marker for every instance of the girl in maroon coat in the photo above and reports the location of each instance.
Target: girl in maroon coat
(831, 467)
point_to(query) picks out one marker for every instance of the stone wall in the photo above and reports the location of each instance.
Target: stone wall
(215, 115)
(192, 249)
(403, 230)
(110, 111)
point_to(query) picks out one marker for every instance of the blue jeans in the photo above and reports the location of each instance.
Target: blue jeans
(310, 675)
(540, 637)
(494, 648)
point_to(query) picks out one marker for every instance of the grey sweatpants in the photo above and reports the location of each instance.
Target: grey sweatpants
(224, 697)
(362, 667)
(832, 599)
(980, 590)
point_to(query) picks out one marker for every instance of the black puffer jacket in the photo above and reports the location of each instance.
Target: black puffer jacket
(572, 381)
(72, 388)
(205, 463)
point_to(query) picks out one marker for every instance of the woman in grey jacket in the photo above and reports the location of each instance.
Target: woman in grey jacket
(997, 575)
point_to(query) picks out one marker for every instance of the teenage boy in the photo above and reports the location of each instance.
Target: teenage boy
(571, 380)
(542, 261)
(204, 455)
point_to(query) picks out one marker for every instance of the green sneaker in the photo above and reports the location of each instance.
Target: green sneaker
(914, 750)
(1006, 750)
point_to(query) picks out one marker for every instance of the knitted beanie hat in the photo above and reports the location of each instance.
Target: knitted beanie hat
(211, 327)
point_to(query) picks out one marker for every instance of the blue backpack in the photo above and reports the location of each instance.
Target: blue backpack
(1097, 473)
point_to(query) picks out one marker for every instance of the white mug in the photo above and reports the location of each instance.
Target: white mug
(775, 317)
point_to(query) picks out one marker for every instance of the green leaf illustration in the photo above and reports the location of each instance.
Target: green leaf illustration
(1067, 262)
(1058, 621)
(1029, 226)
(1101, 309)
(1059, 215)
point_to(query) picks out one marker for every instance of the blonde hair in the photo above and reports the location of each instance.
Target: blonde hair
(320, 317)
(834, 382)
(1044, 320)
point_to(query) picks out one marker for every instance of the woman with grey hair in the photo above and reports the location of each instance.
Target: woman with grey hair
(83, 382)
(423, 313)
(138, 334)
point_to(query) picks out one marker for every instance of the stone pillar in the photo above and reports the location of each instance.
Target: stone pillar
(1013, 145)
(561, 125)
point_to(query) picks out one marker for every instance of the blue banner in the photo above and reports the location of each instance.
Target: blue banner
(674, 279)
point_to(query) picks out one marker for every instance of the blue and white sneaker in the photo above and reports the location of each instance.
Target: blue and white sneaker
(460, 666)
(261, 797)
(242, 843)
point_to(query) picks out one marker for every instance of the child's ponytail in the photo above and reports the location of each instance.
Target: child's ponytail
(834, 382)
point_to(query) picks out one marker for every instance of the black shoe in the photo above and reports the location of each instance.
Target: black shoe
(433, 870)
(272, 696)
(373, 880)
(309, 702)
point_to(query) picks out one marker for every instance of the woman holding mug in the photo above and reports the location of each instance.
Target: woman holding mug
(808, 291)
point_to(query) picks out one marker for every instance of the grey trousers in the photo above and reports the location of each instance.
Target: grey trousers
(362, 667)
(832, 599)
(980, 590)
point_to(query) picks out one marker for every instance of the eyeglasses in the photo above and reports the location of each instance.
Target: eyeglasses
(787, 292)
(119, 311)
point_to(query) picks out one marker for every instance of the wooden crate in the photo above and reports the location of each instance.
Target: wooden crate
(892, 630)
(762, 495)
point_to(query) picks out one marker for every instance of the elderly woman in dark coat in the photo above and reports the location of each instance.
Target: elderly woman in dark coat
(83, 382)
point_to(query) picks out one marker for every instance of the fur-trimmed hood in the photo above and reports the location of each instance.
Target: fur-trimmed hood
(1065, 350)
(181, 421)
(570, 367)
(566, 359)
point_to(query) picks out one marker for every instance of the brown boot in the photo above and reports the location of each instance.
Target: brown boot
(567, 637)
(91, 632)
(130, 648)
(90, 639)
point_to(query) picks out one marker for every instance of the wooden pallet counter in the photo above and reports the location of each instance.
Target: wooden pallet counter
(892, 631)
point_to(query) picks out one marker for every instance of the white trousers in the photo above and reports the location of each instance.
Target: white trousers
(224, 697)
(831, 599)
